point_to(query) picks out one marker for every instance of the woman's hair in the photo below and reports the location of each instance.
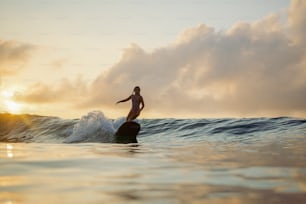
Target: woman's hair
(136, 87)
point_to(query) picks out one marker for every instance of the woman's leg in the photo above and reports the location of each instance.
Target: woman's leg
(132, 115)
(128, 118)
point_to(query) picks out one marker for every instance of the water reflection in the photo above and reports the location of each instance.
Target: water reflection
(119, 150)
(153, 173)
(6, 151)
(9, 151)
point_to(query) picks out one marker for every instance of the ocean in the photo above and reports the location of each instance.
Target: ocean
(225, 160)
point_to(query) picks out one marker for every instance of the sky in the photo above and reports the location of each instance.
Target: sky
(197, 58)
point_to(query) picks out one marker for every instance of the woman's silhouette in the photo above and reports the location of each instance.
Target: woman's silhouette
(136, 101)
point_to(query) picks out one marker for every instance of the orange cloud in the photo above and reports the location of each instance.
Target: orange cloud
(65, 91)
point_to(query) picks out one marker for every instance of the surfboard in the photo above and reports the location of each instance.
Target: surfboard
(127, 132)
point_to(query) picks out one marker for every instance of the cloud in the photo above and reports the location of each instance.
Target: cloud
(250, 69)
(297, 20)
(66, 91)
(13, 56)
(59, 63)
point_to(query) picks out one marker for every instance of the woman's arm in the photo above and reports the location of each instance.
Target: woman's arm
(124, 100)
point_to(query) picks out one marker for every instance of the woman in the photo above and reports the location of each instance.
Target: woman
(136, 101)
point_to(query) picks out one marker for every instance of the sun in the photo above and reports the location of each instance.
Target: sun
(10, 105)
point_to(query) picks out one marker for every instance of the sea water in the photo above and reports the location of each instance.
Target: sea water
(54, 160)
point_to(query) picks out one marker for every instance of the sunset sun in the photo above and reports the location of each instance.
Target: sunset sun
(11, 105)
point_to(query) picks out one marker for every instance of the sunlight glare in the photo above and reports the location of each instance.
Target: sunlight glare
(7, 94)
(12, 106)
(9, 151)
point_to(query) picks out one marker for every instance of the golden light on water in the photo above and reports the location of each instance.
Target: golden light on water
(9, 151)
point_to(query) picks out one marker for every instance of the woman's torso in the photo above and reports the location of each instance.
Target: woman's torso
(135, 102)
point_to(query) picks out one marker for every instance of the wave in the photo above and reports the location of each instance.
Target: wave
(96, 127)
(93, 127)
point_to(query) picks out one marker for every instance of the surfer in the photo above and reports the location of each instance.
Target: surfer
(136, 101)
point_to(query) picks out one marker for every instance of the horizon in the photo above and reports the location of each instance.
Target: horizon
(157, 118)
(195, 59)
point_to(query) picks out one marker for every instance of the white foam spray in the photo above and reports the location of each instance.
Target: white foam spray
(94, 127)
